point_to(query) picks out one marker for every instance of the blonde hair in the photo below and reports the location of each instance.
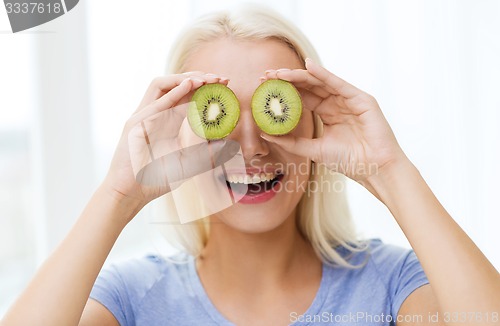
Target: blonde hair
(323, 217)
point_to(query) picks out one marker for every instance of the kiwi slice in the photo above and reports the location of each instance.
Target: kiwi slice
(276, 107)
(213, 111)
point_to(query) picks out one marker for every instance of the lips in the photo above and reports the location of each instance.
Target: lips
(252, 183)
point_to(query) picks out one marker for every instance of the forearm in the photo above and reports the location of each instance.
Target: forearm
(59, 291)
(461, 276)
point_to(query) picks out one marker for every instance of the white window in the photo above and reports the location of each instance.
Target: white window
(17, 234)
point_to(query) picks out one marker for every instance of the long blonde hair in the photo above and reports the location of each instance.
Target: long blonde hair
(323, 216)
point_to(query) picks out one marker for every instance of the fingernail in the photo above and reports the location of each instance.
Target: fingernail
(200, 80)
(309, 60)
(282, 69)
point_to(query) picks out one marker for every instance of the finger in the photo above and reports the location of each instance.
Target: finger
(163, 84)
(311, 89)
(161, 130)
(186, 163)
(338, 85)
(301, 79)
(300, 146)
(168, 100)
(316, 95)
(213, 78)
(176, 94)
(300, 76)
(208, 78)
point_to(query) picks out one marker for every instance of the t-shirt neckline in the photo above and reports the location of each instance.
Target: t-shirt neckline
(219, 319)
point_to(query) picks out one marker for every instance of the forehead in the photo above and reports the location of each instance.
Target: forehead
(242, 60)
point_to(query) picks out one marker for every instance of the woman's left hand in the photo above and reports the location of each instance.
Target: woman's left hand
(357, 136)
(357, 140)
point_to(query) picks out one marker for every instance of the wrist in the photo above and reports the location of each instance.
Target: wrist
(126, 207)
(390, 177)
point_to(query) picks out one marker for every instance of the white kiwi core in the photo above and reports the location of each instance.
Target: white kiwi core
(213, 111)
(276, 107)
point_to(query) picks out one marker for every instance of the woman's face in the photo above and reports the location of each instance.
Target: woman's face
(265, 205)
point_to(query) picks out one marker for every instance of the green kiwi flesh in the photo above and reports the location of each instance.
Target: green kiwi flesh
(213, 111)
(276, 107)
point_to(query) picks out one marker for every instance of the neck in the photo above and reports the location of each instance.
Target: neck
(250, 260)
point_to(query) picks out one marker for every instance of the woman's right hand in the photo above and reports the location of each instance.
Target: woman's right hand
(150, 150)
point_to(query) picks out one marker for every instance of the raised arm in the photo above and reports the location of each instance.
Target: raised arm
(466, 284)
(58, 292)
(359, 143)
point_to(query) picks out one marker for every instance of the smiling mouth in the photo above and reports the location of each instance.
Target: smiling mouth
(253, 183)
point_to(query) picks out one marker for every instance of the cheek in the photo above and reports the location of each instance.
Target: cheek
(298, 171)
(304, 170)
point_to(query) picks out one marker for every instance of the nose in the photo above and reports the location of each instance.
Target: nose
(247, 134)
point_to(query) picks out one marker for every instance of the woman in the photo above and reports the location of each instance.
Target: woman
(291, 257)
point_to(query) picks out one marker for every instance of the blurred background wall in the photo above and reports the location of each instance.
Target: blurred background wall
(68, 86)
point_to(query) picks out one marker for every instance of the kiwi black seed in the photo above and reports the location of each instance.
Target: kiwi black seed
(213, 111)
(276, 107)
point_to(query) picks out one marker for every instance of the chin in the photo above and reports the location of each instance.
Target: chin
(259, 218)
(249, 221)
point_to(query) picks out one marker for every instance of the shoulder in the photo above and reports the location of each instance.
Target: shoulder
(386, 262)
(377, 257)
(139, 275)
(147, 268)
(124, 287)
(395, 265)
(384, 275)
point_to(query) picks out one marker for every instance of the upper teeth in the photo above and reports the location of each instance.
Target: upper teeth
(250, 178)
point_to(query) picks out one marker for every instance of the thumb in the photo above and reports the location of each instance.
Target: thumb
(305, 147)
(187, 162)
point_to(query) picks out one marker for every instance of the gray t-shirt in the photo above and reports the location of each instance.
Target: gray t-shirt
(153, 291)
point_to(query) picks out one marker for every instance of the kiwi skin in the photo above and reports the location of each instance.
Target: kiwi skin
(227, 117)
(289, 101)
